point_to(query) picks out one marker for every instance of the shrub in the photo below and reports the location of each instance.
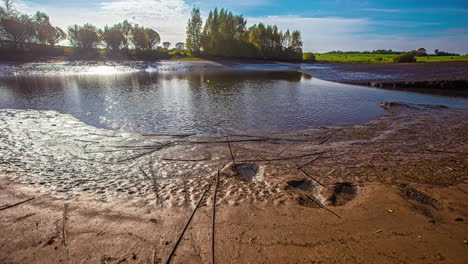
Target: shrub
(405, 57)
(308, 57)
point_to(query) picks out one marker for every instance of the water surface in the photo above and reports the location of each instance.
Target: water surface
(249, 99)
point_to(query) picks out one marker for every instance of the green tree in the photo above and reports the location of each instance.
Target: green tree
(194, 33)
(421, 52)
(46, 33)
(166, 44)
(145, 39)
(308, 56)
(86, 36)
(180, 46)
(20, 30)
(113, 37)
(404, 57)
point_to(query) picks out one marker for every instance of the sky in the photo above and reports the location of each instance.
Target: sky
(325, 25)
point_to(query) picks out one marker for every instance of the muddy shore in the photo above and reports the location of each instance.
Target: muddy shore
(422, 75)
(391, 190)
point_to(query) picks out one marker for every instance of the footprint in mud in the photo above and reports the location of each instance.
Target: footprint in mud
(243, 171)
(303, 185)
(343, 192)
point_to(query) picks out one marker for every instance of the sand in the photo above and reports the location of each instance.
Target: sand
(394, 188)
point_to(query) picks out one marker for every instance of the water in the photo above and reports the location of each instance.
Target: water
(249, 99)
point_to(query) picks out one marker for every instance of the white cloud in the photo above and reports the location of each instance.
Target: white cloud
(335, 33)
(320, 34)
(168, 17)
(381, 10)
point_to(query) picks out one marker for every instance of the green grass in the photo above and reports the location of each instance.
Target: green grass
(379, 58)
(443, 58)
(355, 58)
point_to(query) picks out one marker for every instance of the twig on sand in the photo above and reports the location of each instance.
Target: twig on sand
(319, 203)
(329, 137)
(444, 151)
(169, 258)
(285, 158)
(312, 161)
(214, 218)
(64, 227)
(16, 204)
(232, 155)
(139, 155)
(153, 181)
(303, 171)
(185, 160)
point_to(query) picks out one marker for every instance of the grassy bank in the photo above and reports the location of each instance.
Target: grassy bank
(380, 58)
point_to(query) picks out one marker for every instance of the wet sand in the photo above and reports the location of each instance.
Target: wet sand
(422, 75)
(395, 191)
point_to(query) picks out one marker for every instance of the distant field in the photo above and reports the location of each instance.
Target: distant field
(379, 58)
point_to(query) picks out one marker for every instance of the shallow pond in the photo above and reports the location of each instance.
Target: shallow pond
(241, 99)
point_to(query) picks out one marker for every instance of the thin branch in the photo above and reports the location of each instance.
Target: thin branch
(329, 137)
(16, 204)
(303, 171)
(444, 151)
(319, 204)
(214, 220)
(169, 258)
(232, 155)
(285, 158)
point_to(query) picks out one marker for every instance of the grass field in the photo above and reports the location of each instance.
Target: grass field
(379, 58)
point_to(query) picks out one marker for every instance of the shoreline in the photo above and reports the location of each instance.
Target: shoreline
(418, 76)
(411, 161)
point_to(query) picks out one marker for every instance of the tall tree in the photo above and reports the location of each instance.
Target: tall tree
(46, 33)
(166, 44)
(20, 30)
(113, 37)
(86, 36)
(145, 38)
(194, 33)
(180, 46)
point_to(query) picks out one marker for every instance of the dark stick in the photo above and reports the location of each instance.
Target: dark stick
(13, 205)
(285, 158)
(187, 224)
(232, 155)
(155, 187)
(310, 162)
(328, 138)
(189, 160)
(319, 204)
(64, 225)
(443, 151)
(214, 218)
(303, 171)
(139, 155)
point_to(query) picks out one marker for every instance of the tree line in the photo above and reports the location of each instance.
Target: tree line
(225, 34)
(23, 31)
(421, 52)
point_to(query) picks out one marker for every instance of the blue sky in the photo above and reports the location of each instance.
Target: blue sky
(325, 25)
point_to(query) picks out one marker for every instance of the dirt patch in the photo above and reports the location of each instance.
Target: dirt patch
(343, 193)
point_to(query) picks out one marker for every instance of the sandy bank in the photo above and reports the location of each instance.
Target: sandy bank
(394, 187)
